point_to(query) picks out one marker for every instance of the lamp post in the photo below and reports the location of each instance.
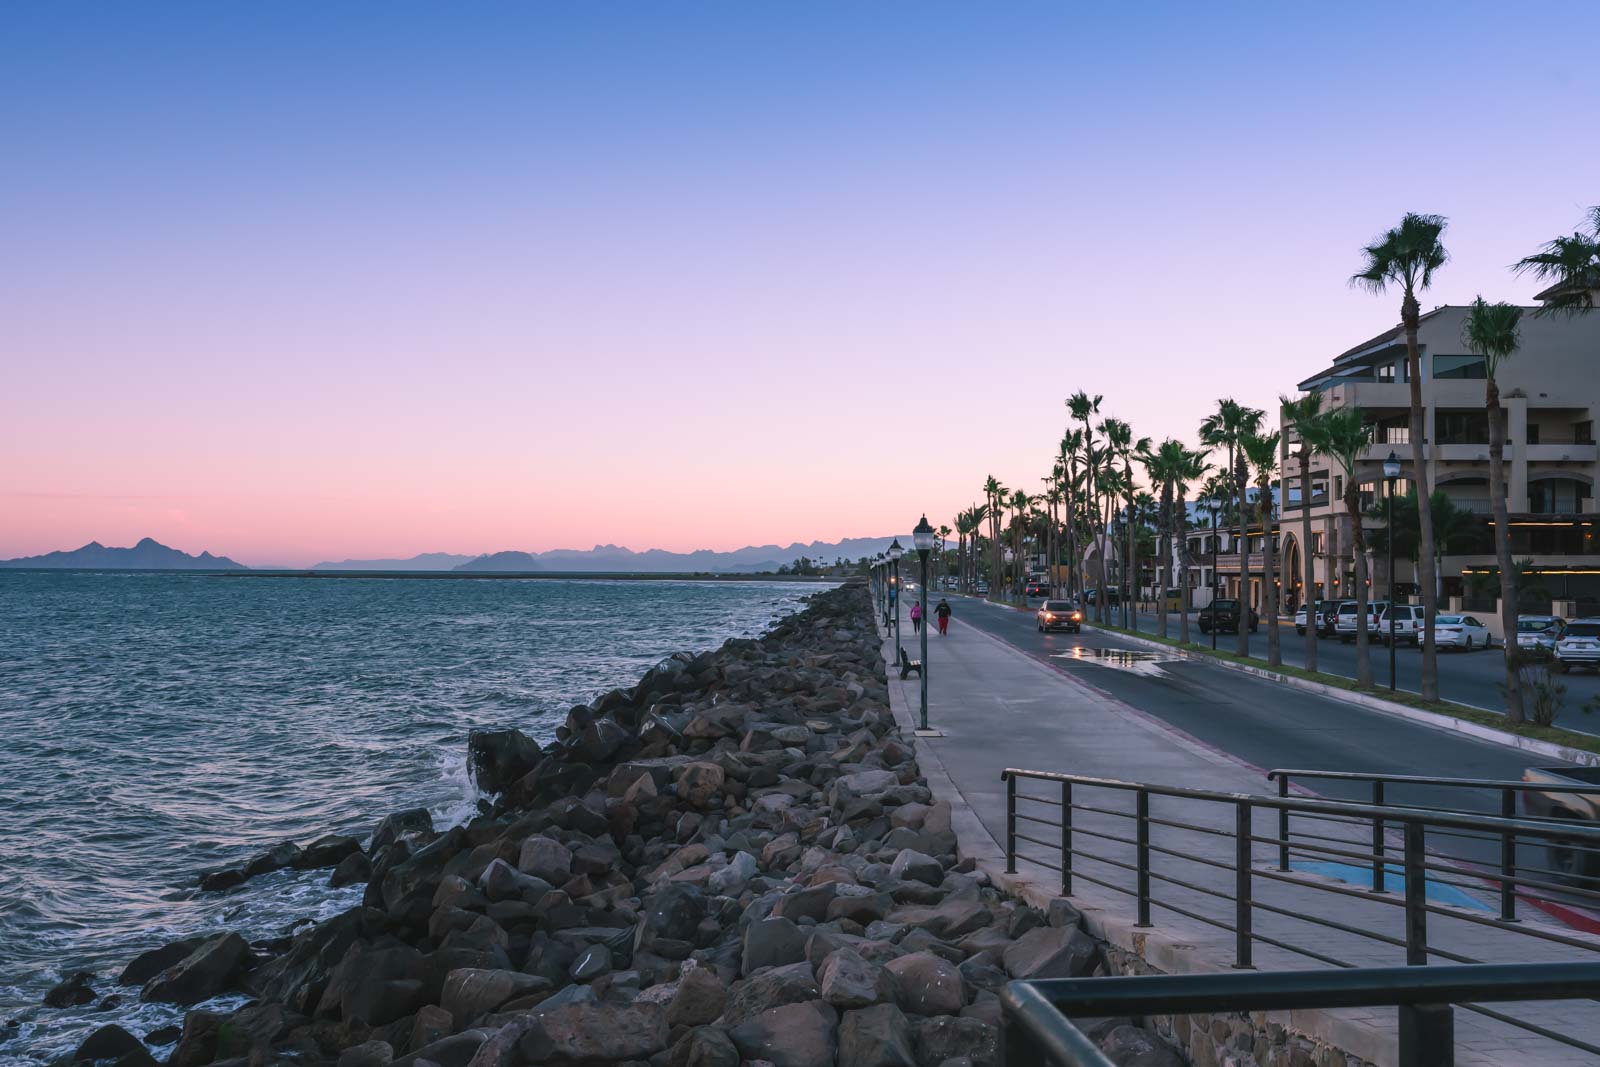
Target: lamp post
(1212, 605)
(1391, 471)
(922, 538)
(895, 552)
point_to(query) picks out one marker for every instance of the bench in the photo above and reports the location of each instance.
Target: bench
(910, 666)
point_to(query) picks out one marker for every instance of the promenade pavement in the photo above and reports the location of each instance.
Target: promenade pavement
(996, 707)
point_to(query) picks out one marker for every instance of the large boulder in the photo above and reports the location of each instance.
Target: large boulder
(393, 827)
(213, 967)
(470, 991)
(705, 1046)
(771, 988)
(1129, 1046)
(848, 981)
(1052, 952)
(794, 1035)
(375, 985)
(697, 783)
(497, 758)
(146, 965)
(545, 857)
(878, 1036)
(911, 865)
(109, 1043)
(699, 998)
(949, 1037)
(771, 943)
(329, 850)
(927, 984)
(586, 1033)
(75, 989)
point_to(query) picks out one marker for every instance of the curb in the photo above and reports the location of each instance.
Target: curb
(1436, 719)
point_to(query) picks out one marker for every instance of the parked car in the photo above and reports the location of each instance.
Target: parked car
(1038, 587)
(1224, 616)
(1460, 631)
(1567, 858)
(1059, 615)
(1345, 621)
(1407, 624)
(983, 588)
(1092, 596)
(1325, 609)
(1579, 645)
(1539, 632)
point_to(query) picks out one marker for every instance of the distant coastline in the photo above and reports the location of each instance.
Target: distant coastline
(632, 576)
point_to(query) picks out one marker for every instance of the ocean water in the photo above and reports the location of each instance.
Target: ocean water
(156, 725)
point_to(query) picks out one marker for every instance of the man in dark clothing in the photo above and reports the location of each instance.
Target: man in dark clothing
(942, 613)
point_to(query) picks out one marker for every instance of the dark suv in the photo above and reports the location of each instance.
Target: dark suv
(1223, 616)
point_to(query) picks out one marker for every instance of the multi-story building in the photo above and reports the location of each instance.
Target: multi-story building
(1550, 395)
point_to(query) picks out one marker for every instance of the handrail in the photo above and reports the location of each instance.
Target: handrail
(1564, 831)
(1040, 1031)
(1418, 779)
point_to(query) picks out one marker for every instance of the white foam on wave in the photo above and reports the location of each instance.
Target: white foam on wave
(462, 793)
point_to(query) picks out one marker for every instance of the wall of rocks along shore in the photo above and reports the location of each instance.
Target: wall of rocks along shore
(734, 862)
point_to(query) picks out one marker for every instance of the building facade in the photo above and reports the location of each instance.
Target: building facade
(1550, 395)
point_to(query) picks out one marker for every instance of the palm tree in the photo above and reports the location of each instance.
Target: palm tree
(994, 495)
(1491, 330)
(1158, 469)
(1122, 447)
(1301, 416)
(1082, 407)
(1572, 265)
(1188, 465)
(1226, 428)
(1021, 502)
(944, 546)
(1407, 256)
(1342, 435)
(1261, 452)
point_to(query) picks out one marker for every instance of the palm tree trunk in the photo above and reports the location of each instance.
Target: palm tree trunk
(1180, 519)
(1358, 549)
(1427, 578)
(1269, 589)
(1307, 563)
(1244, 556)
(1502, 550)
(1164, 571)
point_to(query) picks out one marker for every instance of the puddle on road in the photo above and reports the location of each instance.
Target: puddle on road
(1119, 658)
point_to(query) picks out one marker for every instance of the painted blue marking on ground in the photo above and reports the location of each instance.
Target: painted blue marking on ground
(1393, 882)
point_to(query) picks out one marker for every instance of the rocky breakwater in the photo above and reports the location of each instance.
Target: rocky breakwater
(733, 862)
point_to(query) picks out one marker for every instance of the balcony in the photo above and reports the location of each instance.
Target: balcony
(1547, 451)
(1369, 394)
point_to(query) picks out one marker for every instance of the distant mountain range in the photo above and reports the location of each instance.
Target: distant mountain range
(427, 561)
(149, 554)
(614, 558)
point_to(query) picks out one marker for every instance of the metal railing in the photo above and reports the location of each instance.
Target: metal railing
(1200, 862)
(1039, 1029)
(1502, 858)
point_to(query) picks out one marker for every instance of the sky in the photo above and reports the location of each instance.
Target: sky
(298, 281)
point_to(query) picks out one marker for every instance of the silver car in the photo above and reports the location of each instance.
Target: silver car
(1580, 645)
(1540, 631)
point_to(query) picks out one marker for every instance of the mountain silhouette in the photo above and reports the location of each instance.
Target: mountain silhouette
(148, 555)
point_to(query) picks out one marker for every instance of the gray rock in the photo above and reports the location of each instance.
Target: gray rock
(395, 826)
(588, 1032)
(914, 866)
(547, 858)
(497, 758)
(1062, 913)
(878, 1036)
(771, 943)
(848, 981)
(928, 985)
(591, 963)
(699, 998)
(948, 1037)
(1052, 952)
(740, 869)
(367, 1054)
(771, 988)
(1129, 1046)
(470, 992)
(794, 1035)
(212, 968)
(705, 1046)
(501, 881)
(108, 1043)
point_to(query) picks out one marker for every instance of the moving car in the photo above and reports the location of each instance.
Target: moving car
(983, 588)
(1569, 859)
(1407, 621)
(1224, 615)
(1038, 587)
(1092, 596)
(1345, 622)
(1579, 646)
(1540, 631)
(1059, 615)
(1460, 631)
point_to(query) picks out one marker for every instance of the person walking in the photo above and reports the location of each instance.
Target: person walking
(916, 616)
(942, 613)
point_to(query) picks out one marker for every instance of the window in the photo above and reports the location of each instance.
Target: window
(1394, 431)
(1533, 433)
(1386, 372)
(1583, 432)
(1459, 367)
(1462, 427)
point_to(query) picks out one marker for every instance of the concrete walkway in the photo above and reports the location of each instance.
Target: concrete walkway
(998, 708)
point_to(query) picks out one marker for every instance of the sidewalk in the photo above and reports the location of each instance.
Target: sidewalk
(999, 708)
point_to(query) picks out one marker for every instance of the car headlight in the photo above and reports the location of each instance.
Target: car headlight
(1076, 615)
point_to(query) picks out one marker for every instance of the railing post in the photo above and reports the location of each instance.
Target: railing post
(1243, 941)
(1066, 839)
(1011, 824)
(1427, 1035)
(1416, 896)
(1377, 839)
(1508, 858)
(1141, 832)
(1283, 825)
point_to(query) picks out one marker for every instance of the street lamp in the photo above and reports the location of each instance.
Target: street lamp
(1211, 606)
(1391, 471)
(895, 552)
(922, 538)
